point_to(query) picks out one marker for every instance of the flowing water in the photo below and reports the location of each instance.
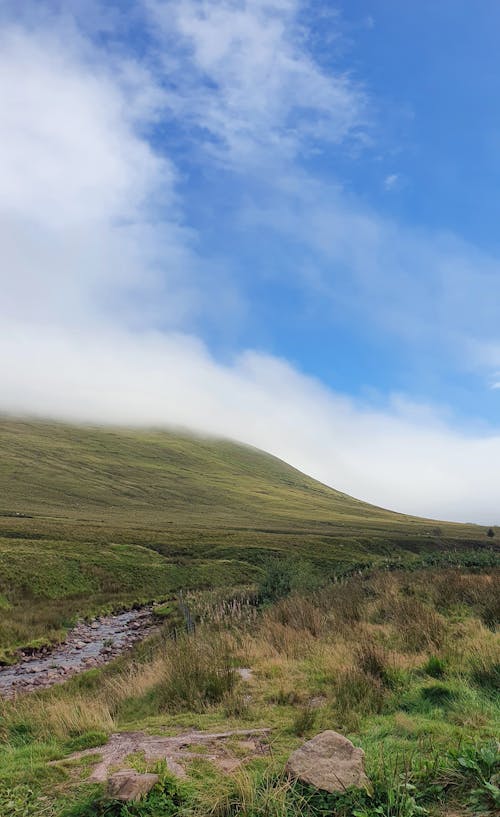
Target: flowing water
(89, 644)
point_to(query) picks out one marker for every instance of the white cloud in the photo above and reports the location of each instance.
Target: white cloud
(427, 288)
(80, 184)
(391, 181)
(69, 151)
(242, 72)
(403, 457)
(244, 75)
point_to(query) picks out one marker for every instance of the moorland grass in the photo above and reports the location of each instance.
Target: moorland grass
(429, 741)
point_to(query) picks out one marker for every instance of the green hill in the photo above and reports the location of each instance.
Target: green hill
(97, 517)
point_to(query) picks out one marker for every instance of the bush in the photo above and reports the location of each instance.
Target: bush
(276, 582)
(283, 576)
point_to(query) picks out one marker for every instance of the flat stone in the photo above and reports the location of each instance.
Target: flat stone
(329, 762)
(129, 786)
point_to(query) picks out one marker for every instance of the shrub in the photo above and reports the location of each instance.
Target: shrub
(276, 582)
(283, 576)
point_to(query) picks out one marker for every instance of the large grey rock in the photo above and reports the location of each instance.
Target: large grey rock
(330, 762)
(129, 785)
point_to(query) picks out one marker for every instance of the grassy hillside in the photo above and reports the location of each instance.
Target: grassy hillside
(93, 517)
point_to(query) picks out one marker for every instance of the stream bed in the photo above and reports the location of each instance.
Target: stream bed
(88, 645)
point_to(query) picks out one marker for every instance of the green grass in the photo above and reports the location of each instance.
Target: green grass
(429, 742)
(95, 519)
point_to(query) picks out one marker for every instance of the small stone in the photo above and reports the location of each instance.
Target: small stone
(329, 762)
(129, 786)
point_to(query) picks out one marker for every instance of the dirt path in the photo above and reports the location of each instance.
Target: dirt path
(227, 750)
(88, 645)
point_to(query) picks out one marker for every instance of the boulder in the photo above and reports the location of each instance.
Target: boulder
(330, 762)
(129, 785)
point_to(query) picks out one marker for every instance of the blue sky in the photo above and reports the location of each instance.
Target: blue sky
(270, 219)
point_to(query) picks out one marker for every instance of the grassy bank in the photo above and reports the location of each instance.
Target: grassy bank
(406, 663)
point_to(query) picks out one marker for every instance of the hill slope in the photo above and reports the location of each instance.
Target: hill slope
(90, 517)
(82, 473)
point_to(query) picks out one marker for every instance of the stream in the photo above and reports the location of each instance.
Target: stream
(88, 645)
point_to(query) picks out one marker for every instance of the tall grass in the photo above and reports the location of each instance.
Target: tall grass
(382, 657)
(197, 673)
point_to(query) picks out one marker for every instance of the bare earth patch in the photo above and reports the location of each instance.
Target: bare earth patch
(176, 751)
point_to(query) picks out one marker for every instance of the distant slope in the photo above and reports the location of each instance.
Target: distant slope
(57, 469)
(146, 480)
(92, 516)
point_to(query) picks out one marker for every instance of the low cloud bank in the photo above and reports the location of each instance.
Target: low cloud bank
(404, 458)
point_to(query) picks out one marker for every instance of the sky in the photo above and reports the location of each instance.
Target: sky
(269, 220)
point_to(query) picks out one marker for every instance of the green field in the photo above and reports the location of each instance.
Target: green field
(93, 519)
